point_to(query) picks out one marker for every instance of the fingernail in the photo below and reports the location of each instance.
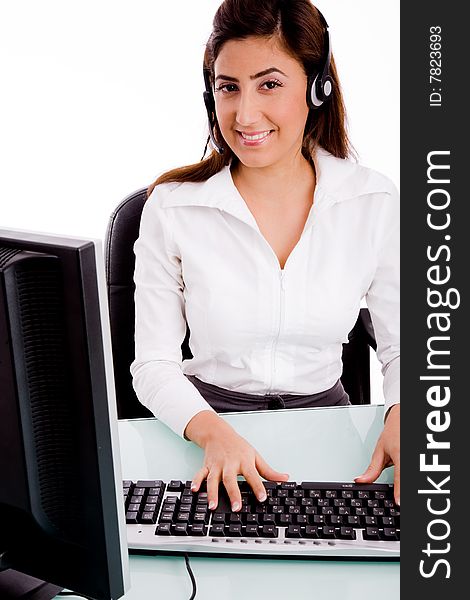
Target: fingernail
(211, 505)
(193, 487)
(262, 497)
(398, 500)
(235, 506)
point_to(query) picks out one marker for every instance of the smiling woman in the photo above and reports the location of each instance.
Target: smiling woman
(265, 249)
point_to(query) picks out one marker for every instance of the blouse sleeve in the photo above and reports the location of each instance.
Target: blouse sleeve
(383, 299)
(160, 325)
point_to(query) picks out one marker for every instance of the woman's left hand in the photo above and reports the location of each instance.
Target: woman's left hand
(386, 453)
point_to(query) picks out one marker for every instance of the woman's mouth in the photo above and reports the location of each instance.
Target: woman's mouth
(255, 138)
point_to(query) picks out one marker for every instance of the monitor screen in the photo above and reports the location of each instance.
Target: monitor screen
(61, 510)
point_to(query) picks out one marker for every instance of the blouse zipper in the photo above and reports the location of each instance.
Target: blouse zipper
(280, 323)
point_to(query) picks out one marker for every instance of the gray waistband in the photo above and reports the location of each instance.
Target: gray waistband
(223, 400)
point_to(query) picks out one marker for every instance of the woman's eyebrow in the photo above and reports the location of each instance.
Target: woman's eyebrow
(256, 76)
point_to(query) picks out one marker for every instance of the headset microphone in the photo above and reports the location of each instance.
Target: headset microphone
(210, 108)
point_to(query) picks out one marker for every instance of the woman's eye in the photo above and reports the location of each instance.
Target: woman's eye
(272, 84)
(226, 87)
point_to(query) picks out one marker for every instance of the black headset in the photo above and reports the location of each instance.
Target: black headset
(319, 87)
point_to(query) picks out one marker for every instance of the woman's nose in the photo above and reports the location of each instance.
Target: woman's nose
(248, 110)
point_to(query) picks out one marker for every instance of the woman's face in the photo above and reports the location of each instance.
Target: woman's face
(260, 98)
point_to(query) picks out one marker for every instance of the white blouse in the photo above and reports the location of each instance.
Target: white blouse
(257, 328)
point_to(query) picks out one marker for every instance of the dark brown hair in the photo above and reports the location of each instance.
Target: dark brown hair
(298, 26)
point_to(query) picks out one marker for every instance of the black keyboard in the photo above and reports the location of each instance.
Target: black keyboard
(305, 519)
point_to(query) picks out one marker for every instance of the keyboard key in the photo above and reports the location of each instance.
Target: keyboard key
(233, 530)
(235, 518)
(301, 519)
(217, 530)
(314, 494)
(293, 531)
(347, 533)
(163, 529)
(252, 519)
(270, 485)
(318, 520)
(175, 485)
(171, 500)
(152, 483)
(268, 519)
(179, 529)
(183, 517)
(269, 531)
(131, 517)
(288, 485)
(326, 532)
(389, 534)
(363, 495)
(354, 521)
(200, 517)
(251, 531)
(371, 533)
(311, 531)
(311, 510)
(336, 520)
(166, 517)
(284, 520)
(148, 518)
(138, 491)
(294, 510)
(198, 529)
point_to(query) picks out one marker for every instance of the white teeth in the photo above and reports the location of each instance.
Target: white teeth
(252, 138)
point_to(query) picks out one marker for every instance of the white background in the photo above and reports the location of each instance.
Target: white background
(98, 97)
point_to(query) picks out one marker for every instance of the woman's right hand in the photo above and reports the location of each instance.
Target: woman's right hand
(227, 455)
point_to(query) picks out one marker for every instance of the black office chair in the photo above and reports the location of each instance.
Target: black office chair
(123, 230)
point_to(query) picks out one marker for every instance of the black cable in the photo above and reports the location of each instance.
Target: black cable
(191, 575)
(205, 148)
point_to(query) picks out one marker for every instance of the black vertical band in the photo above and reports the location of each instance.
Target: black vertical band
(435, 291)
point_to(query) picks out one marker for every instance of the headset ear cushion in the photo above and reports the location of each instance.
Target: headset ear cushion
(314, 100)
(327, 87)
(318, 90)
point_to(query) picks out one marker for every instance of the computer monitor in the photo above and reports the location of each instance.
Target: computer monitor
(61, 507)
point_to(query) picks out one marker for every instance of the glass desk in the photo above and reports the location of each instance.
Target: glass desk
(322, 444)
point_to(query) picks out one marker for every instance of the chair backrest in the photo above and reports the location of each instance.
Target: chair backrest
(123, 230)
